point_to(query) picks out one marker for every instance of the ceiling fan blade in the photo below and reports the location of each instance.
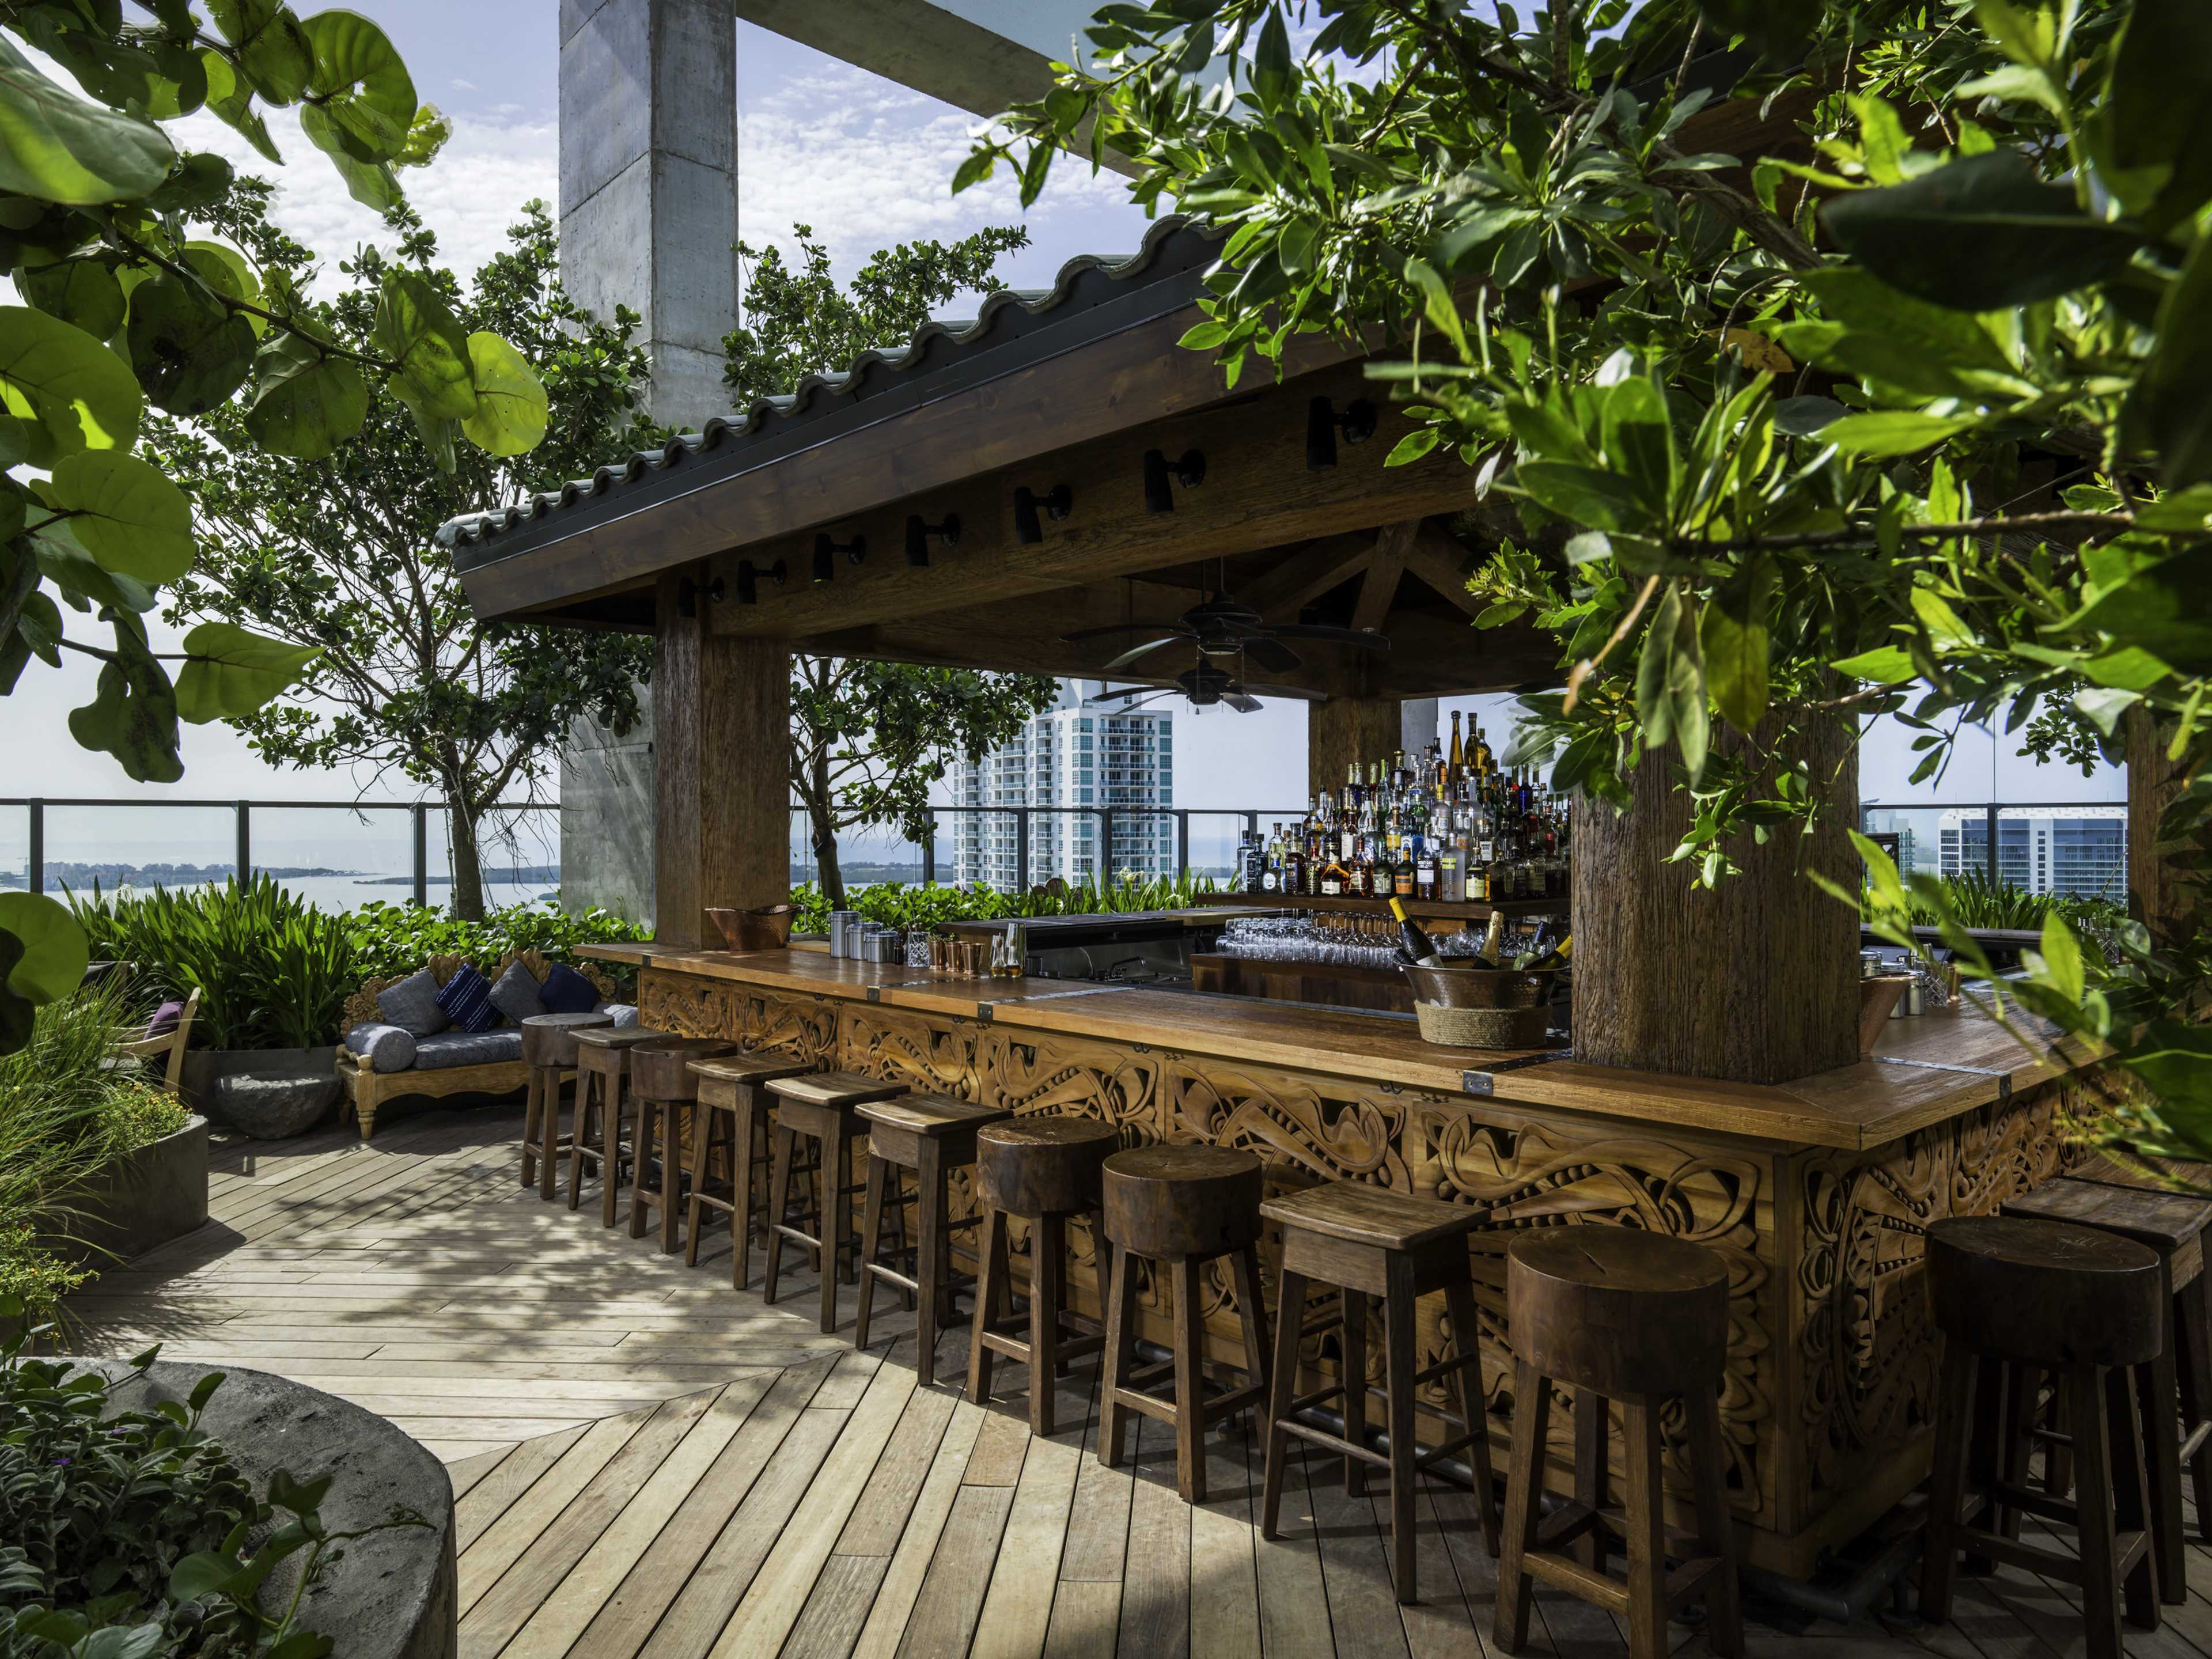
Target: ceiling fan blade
(1242, 704)
(1262, 651)
(1125, 692)
(1175, 629)
(1298, 692)
(1135, 652)
(1350, 636)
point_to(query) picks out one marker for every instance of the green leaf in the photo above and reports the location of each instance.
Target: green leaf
(1774, 28)
(1588, 546)
(55, 949)
(1734, 639)
(304, 404)
(200, 1575)
(1436, 301)
(368, 181)
(1891, 336)
(1943, 624)
(359, 81)
(1271, 61)
(1670, 693)
(1887, 664)
(199, 180)
(510, 412)
(229, 673)
(2062, 957)
(1893, 431)
(128, 516)
(2165, 609)
(1588, 495)
(224, 269)
(188, 352)
(233, 105)
(2172, 400)
(2103, 705)
(77, 389)
(274, 50)
(56, 147)
(1979, 234)
(133, 713)
(417, 330)
(83, 293)
(2152, 138)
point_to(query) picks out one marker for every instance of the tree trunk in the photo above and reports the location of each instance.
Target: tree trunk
(1755, 981)
(467, 896)
(821, 814)
(2163, 892)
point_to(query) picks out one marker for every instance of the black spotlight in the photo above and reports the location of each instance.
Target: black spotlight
(919, 530)
(1188, 471)
(1323, 424)
(1058, 502)
(687, 592)
(826, 550)
(749, 580)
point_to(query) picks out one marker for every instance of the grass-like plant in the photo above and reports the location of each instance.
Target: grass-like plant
(910, 904)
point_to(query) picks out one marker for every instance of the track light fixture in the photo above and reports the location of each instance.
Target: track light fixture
(1323, 424)
(749, 580)
(826, 549)
(687, 592)
(1058, 502)
(919, 530)
(1189, 470)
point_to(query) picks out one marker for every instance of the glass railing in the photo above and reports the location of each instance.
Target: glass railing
(2074, 848)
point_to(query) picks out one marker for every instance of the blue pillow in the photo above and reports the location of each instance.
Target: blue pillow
(412, 1003)
(567, 991)
(465, 1000)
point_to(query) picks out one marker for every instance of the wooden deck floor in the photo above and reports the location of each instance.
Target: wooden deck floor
(649, 1463)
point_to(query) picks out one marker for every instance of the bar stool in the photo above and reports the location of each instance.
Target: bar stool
(823, 1108)
(1369, 1242)
(660, 1073)
(1181, 1206)
(1043, 1169)
(2177, 1385)
(548, 1049)
(2029, 1296)
(732, 1098)
(932, 1135)
(1636, 1318)
(602, 1073)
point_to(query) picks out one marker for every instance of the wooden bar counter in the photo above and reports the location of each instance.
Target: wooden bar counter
(1818, 1192)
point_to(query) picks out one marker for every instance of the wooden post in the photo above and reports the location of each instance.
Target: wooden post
(721, 728)
(1344, 730)
(1755, 981)
(2159, 896)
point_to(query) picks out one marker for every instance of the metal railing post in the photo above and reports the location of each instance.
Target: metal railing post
(1106, 843)
(35, 866)
(1990, 817)
(1020, 850)
(421, 855)
(1182, 842)
(929, 850)
(245, 859)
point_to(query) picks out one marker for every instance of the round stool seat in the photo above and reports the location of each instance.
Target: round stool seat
(550, 1039)
(615, 1039)
(1621, 1311)
(661, 1070)
(1168, 1203)
(1034, 1166)
(2044, 1291)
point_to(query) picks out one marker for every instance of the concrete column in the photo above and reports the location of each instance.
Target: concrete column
(607, 795)
(649, 183)
(1417, 724)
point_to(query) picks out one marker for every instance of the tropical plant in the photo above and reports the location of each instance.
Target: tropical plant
(338, 553)
(901, 904)
(1921, 424)
(869, 739)
(397, 939)
(1978, 902)
(66, 1114)
(273, 971)
(133, 1531)
(130, 301)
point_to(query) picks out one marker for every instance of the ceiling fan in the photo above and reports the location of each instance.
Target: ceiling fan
(1224, 626)
(1206, 685)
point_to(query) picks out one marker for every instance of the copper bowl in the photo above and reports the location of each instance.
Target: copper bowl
(1481, 988)
(767, 928)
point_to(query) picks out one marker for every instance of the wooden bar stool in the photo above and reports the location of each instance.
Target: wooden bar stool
(1635, 1318)
(1181, 1206)
(1043, 1169)
(549, 1049)
(2025, 1298)
(1371, 1243)
(660, 1073)
(600, 1140)
(932, 1135)
(2177, 1385)
(732, 1109)
(823, 1110)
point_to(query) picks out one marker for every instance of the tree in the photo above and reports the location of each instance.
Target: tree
(339, 555)
(1920, 425)
(126, 306)
(869, 739)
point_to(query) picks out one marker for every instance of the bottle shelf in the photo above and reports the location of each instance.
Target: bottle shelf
(1464, 910)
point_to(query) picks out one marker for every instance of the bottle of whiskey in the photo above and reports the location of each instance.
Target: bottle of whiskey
(1402, 874)
(1456, 766)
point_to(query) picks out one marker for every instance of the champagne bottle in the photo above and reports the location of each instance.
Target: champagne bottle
(1412, 941)
(1493, 940)
(1558, 957)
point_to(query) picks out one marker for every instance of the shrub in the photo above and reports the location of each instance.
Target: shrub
(397, 939)
(273, 971)
(902, 904)
(138, 1524)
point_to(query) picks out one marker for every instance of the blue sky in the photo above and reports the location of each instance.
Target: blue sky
(867, 163)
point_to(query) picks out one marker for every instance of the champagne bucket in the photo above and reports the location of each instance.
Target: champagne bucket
(1482, 1007)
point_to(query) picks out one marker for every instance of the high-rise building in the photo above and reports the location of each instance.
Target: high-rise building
(1080, 754)
(2080, 850)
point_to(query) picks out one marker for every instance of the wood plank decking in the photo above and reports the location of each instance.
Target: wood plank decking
(649, 1463)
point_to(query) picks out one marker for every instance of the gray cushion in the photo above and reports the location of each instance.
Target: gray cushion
(386, 1048)
(412, 1003)
(514, 994)
(622, 1012)
(435, 1053)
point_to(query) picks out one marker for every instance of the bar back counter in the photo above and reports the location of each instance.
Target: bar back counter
(1817, 1192)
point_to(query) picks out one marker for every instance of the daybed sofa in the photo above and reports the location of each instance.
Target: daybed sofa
(390, 1047)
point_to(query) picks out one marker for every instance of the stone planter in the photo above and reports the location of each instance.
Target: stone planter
(144, 1199)
(271, 1114)
(394, 1595)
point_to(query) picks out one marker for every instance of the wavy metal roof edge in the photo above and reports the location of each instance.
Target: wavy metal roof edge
(874, 373)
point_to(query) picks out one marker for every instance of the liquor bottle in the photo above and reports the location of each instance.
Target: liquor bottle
(1458, 760)
(1483, 758)
(1335, 880)
(1294, 866)
(1402, 874)
(1412, 941)
(1248, 860)
(1493, 940)
(1271, 870)
(1424, 871)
